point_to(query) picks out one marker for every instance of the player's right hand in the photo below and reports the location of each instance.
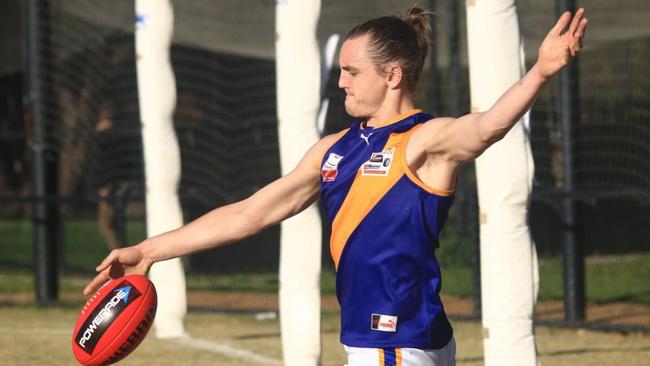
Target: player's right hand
(561, 46)
(118, 263)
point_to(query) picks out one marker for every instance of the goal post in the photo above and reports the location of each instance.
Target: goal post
(509, 276)
(157, 96)
(298, 99)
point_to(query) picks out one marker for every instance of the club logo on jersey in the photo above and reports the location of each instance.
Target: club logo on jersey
(330, 169)
(383, 323)
(378, 164)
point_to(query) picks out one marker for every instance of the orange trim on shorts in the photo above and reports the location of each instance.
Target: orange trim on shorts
(398, 357)
(366, 191)
(382, 362)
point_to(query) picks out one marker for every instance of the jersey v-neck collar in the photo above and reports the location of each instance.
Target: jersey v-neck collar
(363, 126)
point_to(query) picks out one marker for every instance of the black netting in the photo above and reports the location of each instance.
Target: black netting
(223, 60)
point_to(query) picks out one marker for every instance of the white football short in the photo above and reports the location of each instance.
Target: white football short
(446, 356)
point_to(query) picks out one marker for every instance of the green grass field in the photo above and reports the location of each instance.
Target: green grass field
(33, 335)
(608, 278)
(611, 279)
(41, 336)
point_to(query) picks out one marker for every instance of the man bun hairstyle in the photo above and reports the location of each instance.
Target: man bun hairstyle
(393, 39)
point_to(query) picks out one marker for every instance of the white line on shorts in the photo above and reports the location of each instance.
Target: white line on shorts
(226, 350)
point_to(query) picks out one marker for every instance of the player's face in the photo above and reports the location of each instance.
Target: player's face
(365, 88)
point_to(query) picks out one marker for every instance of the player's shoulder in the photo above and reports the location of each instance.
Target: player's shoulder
(430, 133)
(337, 135)
(330, 140)
(320, 148)
(437, 122)
(433, 126)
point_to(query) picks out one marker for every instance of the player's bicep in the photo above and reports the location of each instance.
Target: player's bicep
(454, 139)
(282, 198)
(291, 193)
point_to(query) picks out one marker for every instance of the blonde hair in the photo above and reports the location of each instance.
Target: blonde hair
(393, 39)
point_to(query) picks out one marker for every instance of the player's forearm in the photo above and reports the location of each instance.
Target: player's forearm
(495, 123)
(219, 227)
(270, 205)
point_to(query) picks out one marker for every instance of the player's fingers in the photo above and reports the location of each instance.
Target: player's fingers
(96, 283)
(582, 27)
(116, 271)
(576, 21)
(561, 24)
(112, 257)
(576, 45)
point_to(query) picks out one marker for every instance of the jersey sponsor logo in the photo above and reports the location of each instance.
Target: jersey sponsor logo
(330, 169)
(365, 138)
(383, 323)
(378, 164)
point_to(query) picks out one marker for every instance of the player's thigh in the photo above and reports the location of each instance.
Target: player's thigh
(445, 356)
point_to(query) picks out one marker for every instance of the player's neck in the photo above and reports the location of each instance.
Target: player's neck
(389, 111)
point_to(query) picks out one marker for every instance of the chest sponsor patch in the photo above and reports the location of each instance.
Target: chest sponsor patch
(330, 169)
(383, 323)
(378, 164)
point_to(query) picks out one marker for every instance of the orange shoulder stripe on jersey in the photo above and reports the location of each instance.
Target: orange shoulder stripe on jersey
(365, 192)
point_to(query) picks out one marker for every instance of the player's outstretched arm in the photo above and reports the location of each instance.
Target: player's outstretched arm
(465, 138)
(275, 202)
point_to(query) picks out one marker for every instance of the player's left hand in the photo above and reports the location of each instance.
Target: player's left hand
(558, 49)
(119, 262)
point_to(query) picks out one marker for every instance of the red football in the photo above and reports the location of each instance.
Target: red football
(114, 320)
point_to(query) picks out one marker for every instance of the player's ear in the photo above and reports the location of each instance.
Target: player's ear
(395, 75)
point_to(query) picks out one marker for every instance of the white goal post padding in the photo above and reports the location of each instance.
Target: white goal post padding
(298, 98)
(509, 276)
(157, 94)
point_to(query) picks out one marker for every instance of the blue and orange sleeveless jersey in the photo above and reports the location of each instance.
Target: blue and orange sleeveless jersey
(385, 224)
